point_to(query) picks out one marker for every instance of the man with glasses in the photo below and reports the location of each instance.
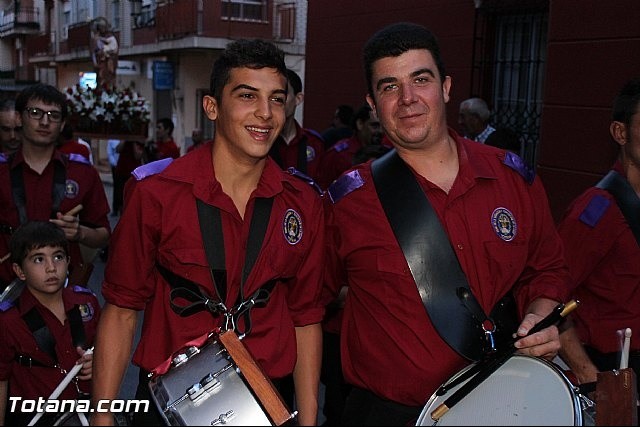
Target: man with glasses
(38, 182)
(9, 130)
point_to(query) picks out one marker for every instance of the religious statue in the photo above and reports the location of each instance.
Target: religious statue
(104, 47)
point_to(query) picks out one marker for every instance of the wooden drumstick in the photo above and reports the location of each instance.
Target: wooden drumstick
(561, 311)
(74, 211)
(624, 358)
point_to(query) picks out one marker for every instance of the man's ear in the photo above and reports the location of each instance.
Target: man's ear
(210, 106)
(18, 270)
(618, 131)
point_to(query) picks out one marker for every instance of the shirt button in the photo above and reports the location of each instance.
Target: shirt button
(460, 246)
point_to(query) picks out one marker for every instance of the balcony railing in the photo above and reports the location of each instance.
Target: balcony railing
(25, 21)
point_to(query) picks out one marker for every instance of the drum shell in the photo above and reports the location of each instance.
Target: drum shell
(523, 391)
(230, 399)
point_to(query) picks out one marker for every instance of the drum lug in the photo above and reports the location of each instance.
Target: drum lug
(223, 418)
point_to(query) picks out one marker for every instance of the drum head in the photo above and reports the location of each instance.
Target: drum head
(524, 391)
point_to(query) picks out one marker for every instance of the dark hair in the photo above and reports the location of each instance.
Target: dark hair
(34, 235)
(42, 92)
(396, 39)
(67, 131)
(295, 81)
(344, 113)
(363, 114)
(255, 54)
(626, 102)
(167, 123)
(8, 104)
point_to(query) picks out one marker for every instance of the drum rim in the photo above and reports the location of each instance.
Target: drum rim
(575, 398)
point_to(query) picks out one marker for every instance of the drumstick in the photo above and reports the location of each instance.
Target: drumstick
(63, 384)
(624, 358)
(74, 211)
(559, 312)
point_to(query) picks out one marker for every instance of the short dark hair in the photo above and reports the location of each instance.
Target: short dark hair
(363, 113)
(295, 81)
(8, 104)
(255, 54)
(344, 113)
(34, 235)
(626, 102)
(167, 123)
(396, 39)
(42, 92)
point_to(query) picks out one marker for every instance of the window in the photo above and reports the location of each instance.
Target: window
(244, 10)
(115, 15)
(508, 70)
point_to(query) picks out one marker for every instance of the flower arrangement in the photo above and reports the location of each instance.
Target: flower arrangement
(121, 108)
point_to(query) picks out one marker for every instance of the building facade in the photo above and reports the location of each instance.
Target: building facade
(549, 70)
(166, 47)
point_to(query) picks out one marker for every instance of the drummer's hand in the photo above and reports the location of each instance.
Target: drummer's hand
(545, 343)
(87, 364)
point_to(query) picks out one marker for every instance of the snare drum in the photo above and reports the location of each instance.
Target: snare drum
(203, 387)
(523, 391)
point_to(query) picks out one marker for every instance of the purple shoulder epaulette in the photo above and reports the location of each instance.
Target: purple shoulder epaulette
(596, 208)
(344, 185)
(295, 172)
(514, 161)
(82, 290)
(5, 306)
(79, 158)
(340, 146)
(141, 172)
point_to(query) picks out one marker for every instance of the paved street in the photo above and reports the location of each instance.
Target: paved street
(130, 383)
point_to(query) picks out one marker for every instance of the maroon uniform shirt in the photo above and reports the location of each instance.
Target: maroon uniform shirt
(389, 345)
(603, 257)
(288, 153)
(82, 186)
(160, 225)
(16, 338)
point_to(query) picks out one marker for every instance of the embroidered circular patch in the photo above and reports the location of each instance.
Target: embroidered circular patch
(71, 189)
(292, 227)
(311, 154)
(504, 224)
(86, 311)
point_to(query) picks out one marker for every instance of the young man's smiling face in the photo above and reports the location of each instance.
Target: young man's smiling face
(251, 111)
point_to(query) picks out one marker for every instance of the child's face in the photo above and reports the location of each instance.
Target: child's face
(44, 270)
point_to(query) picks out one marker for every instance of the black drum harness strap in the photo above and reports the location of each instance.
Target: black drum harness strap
(442, 285)
(20, 195)
(213, 239)
(626, 199)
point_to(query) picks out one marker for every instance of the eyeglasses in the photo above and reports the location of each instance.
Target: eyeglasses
(38, 114)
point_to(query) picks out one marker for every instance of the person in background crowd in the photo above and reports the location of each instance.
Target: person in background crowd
(297, 147)
(158, 244)
(340, 126)
(473, 118)
(496, 230)
(9, 130)
(339, 158)
(46, 331)
(113, 155)
(41, 183)
(164, 146)
(197, 139)
(69, 145)
(601, 236)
